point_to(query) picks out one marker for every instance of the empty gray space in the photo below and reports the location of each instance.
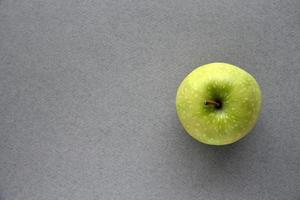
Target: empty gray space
(87, 99)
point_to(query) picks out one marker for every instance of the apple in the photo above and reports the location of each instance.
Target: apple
(218, 103)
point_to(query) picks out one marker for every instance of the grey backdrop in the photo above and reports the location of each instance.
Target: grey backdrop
(88, 99)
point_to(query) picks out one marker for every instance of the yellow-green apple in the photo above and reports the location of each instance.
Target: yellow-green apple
(218, 103)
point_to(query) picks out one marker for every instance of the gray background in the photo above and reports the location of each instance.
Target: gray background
(88, 99)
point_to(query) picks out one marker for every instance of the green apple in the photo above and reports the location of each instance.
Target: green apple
(218, 103)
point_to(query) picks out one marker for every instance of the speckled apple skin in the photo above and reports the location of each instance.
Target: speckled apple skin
(241, 103)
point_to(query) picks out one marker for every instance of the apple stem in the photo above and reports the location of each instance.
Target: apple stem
(211, 102)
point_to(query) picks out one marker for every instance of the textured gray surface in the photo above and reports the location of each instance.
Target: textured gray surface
(87, 99)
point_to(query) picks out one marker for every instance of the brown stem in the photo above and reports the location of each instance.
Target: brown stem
(211, 102)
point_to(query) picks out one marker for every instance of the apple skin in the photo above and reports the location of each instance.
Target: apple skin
(231, 86)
